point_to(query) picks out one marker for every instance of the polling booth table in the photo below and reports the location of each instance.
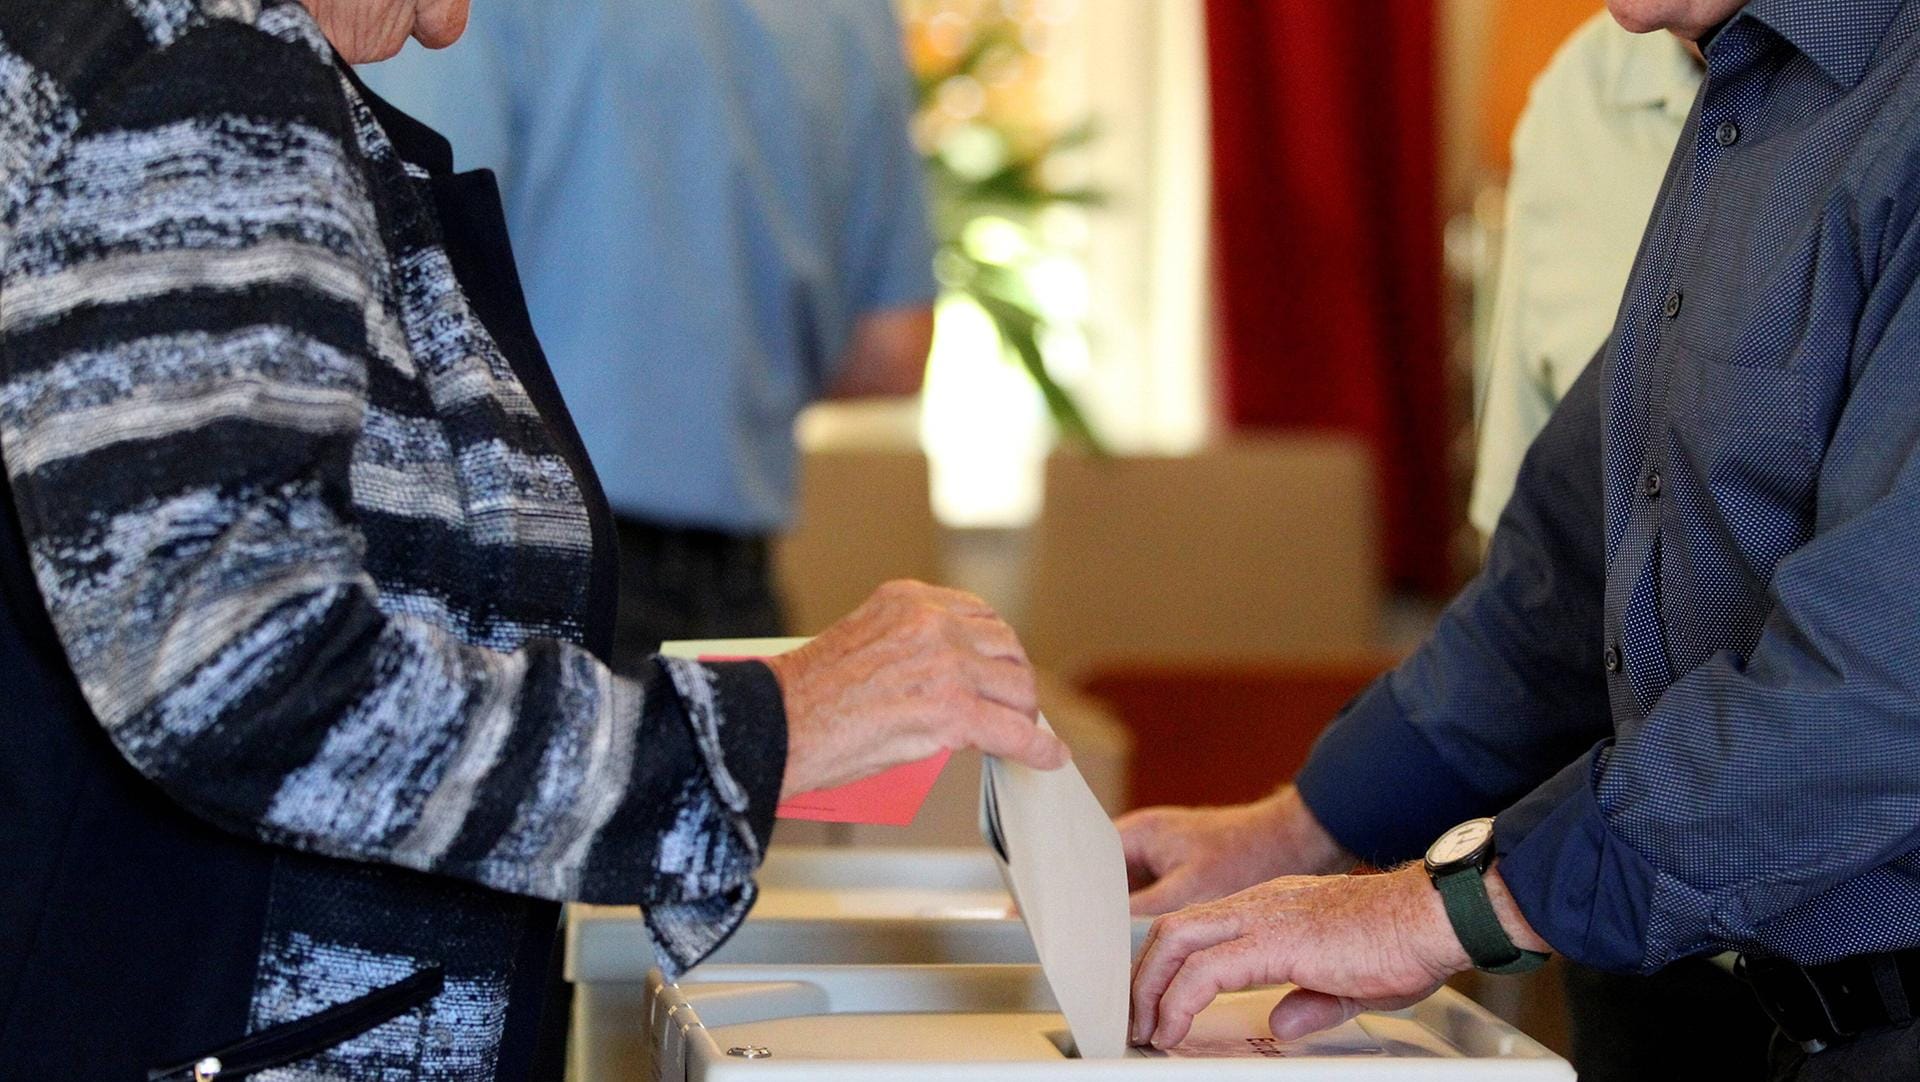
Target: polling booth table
(1004, 963)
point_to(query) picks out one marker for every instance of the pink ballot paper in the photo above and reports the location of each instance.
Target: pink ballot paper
(890, 798)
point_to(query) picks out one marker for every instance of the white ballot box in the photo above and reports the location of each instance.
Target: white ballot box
(819, 905)
(830, 904)
(901, 963)
(999, 1024)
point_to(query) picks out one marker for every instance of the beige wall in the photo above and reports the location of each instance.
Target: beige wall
(1491, 50)
(1525, 34)
(1464, 48)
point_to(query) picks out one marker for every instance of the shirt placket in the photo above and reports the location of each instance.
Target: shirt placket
(1635, 653)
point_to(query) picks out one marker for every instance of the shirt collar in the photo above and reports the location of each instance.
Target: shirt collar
(1655, 71)
(1839, 36)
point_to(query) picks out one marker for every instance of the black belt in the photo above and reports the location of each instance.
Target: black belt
(1819, 1005)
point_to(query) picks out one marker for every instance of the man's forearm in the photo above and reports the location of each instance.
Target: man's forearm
(1506, 691)
(1298, 831)
(1433, 932)
(1511, 918)
(886, 355)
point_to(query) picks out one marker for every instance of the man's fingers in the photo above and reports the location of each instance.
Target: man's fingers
(1169, 943)
(1163, 895)
(1135, 828)
(1302, 1012)
(1205, 974)
(1010, 734)
(1139, 840)
(1146, 952)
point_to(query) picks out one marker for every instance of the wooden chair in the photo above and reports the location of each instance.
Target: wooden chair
(1254, 549)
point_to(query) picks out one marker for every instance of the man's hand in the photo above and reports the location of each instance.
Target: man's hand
(1351, 943)
(887, 353)
(1179, 856)
(916, 669)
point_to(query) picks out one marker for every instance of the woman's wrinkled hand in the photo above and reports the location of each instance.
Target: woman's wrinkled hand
(364, 31)
(915, 670)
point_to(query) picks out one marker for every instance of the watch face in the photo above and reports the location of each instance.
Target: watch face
(1460, 843)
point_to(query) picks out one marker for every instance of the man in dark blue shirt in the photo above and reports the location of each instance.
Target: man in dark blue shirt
(1685, 691)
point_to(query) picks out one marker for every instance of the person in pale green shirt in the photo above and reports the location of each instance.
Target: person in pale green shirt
(1589, 154)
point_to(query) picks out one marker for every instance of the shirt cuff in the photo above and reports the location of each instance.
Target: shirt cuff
(696, 824)
(1379, 787)
(1582, 889)
(740, 721)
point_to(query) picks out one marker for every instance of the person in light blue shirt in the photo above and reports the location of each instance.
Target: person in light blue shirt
(720, 217)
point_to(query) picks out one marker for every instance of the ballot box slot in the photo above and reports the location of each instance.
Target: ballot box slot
(816, 997)
(1063, 1040)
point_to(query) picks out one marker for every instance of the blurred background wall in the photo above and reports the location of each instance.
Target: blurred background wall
(1199, 416)
(1201, 395)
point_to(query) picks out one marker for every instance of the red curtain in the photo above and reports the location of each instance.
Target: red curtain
(1327, 243)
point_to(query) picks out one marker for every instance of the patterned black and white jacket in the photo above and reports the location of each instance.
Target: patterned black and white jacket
(304, 565)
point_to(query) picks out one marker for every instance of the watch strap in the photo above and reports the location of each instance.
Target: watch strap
(1470, 910)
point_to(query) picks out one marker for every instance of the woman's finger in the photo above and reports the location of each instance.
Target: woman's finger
(991, 637)
(1009, 734)
(1008, 683)
(439, 23)
(958, 602)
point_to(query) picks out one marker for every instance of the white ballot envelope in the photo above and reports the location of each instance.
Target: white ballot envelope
(1062, 861)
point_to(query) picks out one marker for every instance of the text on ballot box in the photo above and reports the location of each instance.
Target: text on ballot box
(990, 1023)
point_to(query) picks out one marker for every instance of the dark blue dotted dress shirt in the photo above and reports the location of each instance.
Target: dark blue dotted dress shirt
(1688, 680)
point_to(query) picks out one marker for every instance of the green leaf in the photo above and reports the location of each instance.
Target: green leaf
(1017, 191)
(1019, 332)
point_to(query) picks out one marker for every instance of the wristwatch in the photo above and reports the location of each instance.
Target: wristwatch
(1457, 863)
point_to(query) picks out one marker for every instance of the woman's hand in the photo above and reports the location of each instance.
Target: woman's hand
(915, 670)
(363, 31)
(1180, 856)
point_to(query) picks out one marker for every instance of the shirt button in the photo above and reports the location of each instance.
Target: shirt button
(1654, 485)
(1613, 659)
(1727, 134)
(1672, 308)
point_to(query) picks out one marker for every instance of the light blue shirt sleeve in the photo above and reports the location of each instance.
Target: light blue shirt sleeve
(889, 244)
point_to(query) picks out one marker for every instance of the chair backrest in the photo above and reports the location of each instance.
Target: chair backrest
(1220, 733)
(863, 517)
(1253, 549)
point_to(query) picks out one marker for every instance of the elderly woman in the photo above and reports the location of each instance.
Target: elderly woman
(306, 589)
